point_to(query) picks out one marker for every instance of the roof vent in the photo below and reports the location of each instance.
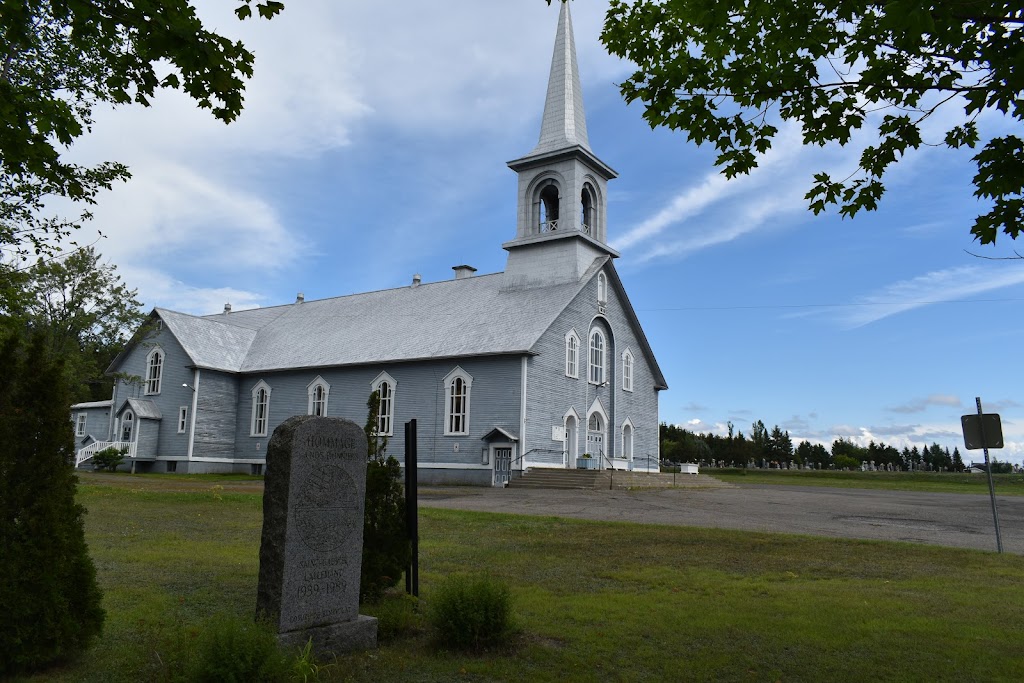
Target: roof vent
(463, 271)
(227, 308)
(300, 297)
(416, 280)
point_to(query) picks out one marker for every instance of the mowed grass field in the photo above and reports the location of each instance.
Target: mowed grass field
(932, 482)
(594, 601)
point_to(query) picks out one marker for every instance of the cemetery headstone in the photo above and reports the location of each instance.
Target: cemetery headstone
(312, 544)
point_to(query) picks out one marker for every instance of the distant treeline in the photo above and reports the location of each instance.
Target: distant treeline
(775, 449)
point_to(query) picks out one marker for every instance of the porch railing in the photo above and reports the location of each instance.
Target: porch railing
(89, 451)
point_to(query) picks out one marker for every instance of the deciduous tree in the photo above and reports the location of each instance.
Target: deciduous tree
(60, 58)
(727, 71)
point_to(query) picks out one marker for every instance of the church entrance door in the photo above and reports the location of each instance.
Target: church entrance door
(502, 466)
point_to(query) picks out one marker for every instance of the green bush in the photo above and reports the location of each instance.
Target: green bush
(235, 650)
(847, 462)
(397, 614)
(471, 613)
(49, 600)
(108, 458)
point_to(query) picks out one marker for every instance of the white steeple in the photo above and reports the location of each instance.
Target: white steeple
(564, 123)
(563, 187)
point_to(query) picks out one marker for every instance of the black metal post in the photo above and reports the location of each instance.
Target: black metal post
(412, 573)
(988, 468)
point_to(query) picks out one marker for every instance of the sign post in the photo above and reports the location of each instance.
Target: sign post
(985, 431)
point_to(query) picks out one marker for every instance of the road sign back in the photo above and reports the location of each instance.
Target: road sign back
(993, 429)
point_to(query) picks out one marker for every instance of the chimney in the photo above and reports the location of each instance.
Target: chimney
(299, 298)
(227, 308)
(416, 279)
(463, 271)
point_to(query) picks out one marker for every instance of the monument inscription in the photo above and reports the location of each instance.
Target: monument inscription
(311, 549)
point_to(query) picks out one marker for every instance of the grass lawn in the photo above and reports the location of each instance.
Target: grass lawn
(594, 601)
(934, 482)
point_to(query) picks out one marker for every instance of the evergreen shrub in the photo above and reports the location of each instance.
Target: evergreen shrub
(49, 599)
(387, 551)
(470, 612)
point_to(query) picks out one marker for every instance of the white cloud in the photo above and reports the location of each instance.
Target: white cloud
(937, 286)
(918, 405)
(178, 296)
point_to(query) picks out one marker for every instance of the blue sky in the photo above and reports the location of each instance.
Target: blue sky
(373, 147)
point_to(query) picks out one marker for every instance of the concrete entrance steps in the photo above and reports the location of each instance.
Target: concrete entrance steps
(544, 478)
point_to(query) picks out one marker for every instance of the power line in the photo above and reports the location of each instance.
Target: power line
(847, 305)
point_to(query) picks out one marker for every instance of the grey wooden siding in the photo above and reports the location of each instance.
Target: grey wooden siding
(550, 394)
(97, 424)
(419, 394)
(216, 415)
(176, 371)
(147, 437)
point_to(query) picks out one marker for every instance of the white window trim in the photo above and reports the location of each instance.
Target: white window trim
(622, 439)
(80, 422)
(310, 391)
(160, 371)
(572, 370)
(266, 416)
(128, 416)
(375, 386)
(602, 288)
(628, 368)
(590, 356)
(182, 419)
(458, 372)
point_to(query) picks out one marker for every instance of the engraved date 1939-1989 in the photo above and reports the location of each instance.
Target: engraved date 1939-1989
(324, 588)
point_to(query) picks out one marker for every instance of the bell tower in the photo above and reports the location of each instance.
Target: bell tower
(562, 223)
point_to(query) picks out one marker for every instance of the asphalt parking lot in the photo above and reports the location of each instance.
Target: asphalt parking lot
(957, 520)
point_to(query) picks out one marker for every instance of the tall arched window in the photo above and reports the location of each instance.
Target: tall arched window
(596, 357)
(385, 385)
(572, 354)
(260, 409)
(154, 371)
(385, 394)
(319, 392)
(549, 208)
(457, 389)
(627, 440)
(627, 370)
(602, 289)
(588, 217)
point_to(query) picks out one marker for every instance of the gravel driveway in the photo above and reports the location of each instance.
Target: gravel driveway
(958, 520)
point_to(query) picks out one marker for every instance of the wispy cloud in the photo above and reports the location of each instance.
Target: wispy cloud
(918, 405)
(937, 286)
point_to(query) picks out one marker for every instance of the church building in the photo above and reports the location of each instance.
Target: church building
(544, 365)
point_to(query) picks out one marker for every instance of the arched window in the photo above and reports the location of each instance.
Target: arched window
(602, 289)
(588, 216)
(154, 371)
(548, 208)
(571, 437)
(260, 409)
(596, 357)
(572, 354)
(595, 435)
(457, 389)
(127, 425)
(318, 391)
(627, 370)
(627, 440)
(385, 385)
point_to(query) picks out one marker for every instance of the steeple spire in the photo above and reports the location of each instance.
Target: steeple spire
(564, 123)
